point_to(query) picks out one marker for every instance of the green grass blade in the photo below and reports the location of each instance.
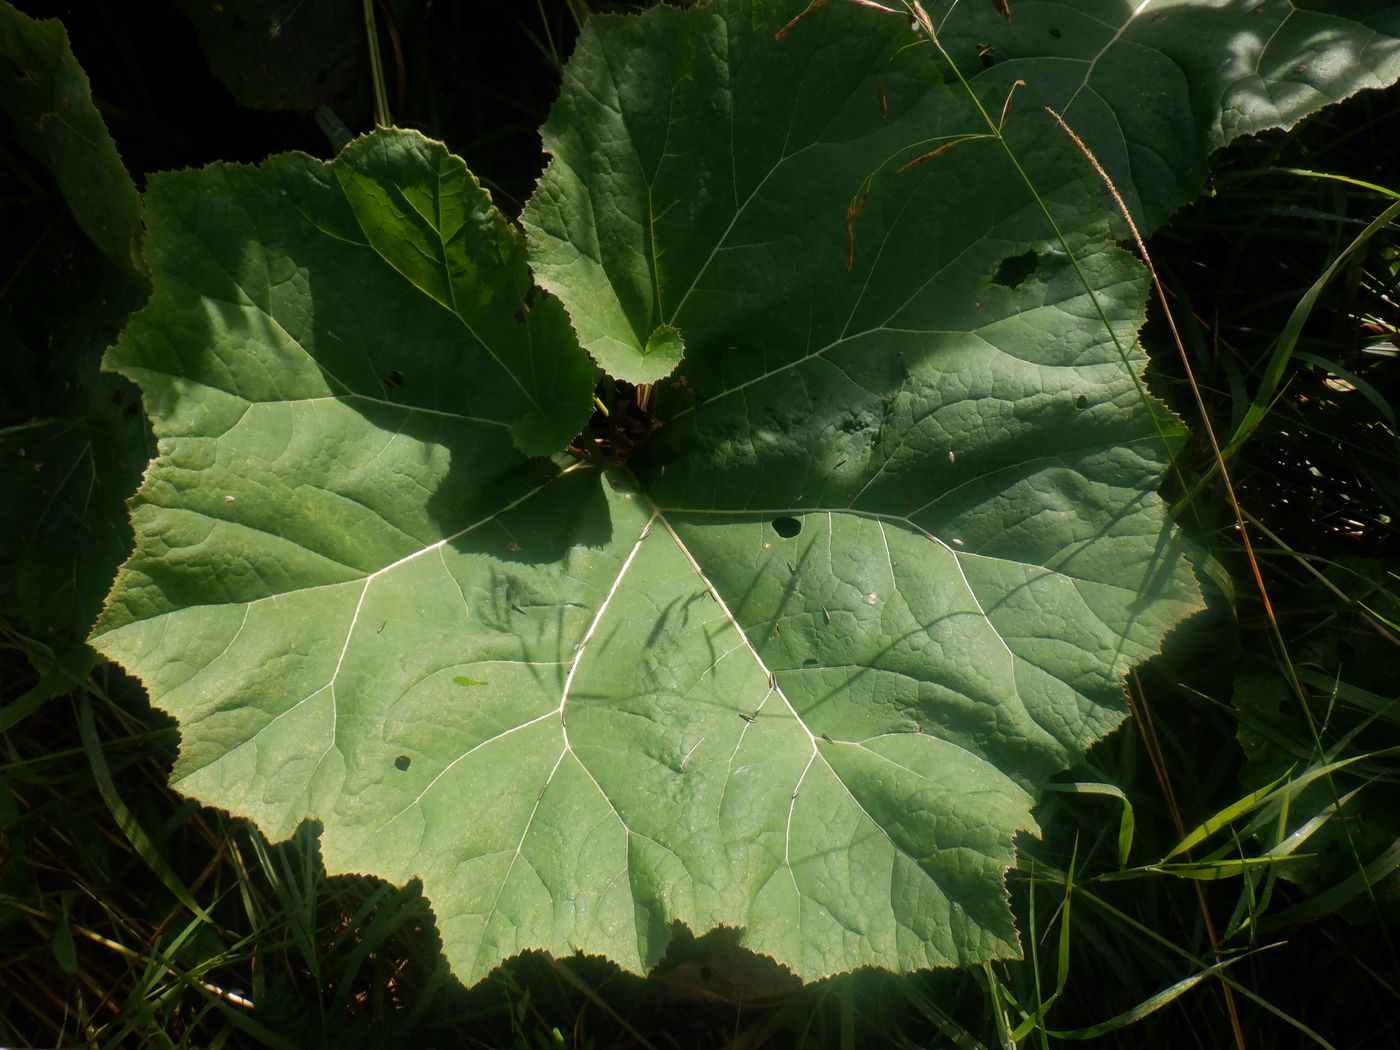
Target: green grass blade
(125, 819)
(1127, 823)
(1287, 340)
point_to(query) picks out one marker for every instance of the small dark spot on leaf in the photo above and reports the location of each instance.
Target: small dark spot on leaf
(706, 973)
(1014, 269)
(786, 527)
(118, 396)
(1081, 402)
(1055, 33)
(394, 378)
(809, 661)
(402, 763)
(322, 77)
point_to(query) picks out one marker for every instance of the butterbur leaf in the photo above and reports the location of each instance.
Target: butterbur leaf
(664, 349)
(612, 244)
(799, 666)
(385, 280)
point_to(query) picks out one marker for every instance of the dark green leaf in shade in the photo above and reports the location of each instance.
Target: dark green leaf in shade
(74, 441)
(47, 95)
(285, 54)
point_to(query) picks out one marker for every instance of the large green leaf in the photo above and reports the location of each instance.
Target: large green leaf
(803, 663)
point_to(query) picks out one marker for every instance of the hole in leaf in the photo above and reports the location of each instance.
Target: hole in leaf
(1081, 402)
(402, 763)
(1014, 269)
(394, 378)
(787, 527)
(1055, 33)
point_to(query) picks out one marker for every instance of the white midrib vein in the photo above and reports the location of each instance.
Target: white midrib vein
(559, 711)
(450, 307)
(775, 689)
(567, 747)
(359, 605)
(1093, 63)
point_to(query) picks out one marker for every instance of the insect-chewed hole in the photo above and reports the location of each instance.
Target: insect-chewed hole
(786, 527)
(1081, 402)
(402, 763)
(394, 378)
(1014, 269)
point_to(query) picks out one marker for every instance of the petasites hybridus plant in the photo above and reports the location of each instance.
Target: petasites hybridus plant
(792, 639)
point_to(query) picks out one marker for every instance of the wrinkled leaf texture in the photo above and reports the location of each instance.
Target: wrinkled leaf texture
(803, 664)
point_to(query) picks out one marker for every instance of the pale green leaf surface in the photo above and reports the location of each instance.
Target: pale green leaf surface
(803, 665)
